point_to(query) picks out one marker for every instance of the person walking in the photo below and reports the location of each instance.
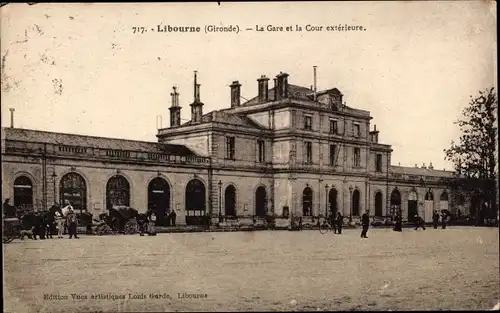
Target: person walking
(398, 222)
(72, 224)
(152, 224)
(419, 222)
(173, 217)
(365, 222)
(60, 224)
(435, 220)
(443, 220)
(339, 220)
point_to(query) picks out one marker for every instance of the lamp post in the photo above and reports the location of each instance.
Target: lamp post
(54, 184)
(220, 201)
(350, 203)
(326, 200)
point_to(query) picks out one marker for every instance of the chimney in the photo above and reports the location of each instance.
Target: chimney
(282, 80)
(12, 117)
(175, 109)
(235, 94)
(431, 167)
(275, 89)
(197, 105)
(263, 88)
(315, 86)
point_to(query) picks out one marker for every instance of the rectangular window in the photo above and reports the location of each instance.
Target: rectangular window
(261, 150)
(308, 148)
(333, 127)
(333, 150)
(230, 148)
(357, 157)
(308, 122)
(357, 132)
(378, 163)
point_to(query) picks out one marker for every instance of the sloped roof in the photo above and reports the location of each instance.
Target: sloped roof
(92, 141)
(294, 92)
(227, 118)
(420, 171)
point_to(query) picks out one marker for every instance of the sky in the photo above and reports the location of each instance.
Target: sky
(80, 68)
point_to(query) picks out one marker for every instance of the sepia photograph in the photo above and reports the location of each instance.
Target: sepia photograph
(249, 156)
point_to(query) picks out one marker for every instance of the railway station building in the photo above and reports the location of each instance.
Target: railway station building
(289, 150)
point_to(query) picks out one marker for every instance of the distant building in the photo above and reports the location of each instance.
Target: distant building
(289, 149)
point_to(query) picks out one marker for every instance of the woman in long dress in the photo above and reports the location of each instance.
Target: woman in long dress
(152, 224)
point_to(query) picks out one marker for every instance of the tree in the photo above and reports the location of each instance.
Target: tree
(475, 156)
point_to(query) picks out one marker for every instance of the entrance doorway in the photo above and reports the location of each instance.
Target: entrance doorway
(23, 193)
(159, 200)
(73, 188)
(412, 206)
(195, 203)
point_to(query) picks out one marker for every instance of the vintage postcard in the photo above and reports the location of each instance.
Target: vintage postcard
(250, 156)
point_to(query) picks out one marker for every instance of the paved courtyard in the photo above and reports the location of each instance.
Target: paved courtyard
(456, 268)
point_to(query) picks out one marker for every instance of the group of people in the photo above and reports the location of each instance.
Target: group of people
(70, 221)
(419, 221)
(336, 221)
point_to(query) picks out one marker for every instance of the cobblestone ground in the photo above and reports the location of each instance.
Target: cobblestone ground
(456, 268)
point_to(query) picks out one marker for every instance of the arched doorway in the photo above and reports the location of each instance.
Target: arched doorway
(159, 200)
(117, 192)
(230, 201)
(412, 205)
(73, 188)
(428, 206)
(307, 201)
(23, 192)
(260, 201)
(355, 203)
(395, 202)
(378, 204)
(195, 202)
(332, 199)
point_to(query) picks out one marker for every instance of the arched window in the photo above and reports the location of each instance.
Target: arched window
(429, 196)
(355, 203)
(23, 192)
(159, 199)
(73, 189)
(195, 202)
(378, 204)
(230, 201)
(395, 202)
(332, 199)
(260, 201)
(307, 201)
(117, 192)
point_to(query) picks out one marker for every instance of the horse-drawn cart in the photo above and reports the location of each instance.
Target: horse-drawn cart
(11, 229)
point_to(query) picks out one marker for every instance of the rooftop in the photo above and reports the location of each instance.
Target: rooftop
(39, 136)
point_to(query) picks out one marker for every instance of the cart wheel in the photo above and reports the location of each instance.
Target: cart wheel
(323, 228)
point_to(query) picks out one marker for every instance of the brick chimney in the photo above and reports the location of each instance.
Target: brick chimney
(282, 90)
(263, 85)
(175, 109)
(235, 94)
(197, 105)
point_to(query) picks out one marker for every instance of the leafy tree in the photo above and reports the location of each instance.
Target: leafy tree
(475, 155)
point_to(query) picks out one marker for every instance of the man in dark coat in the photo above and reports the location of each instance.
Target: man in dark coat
(435, 220)
(339, 220)
(398, 221)
(444, 218)
(365, 222)
(173, 217)
(419, 222)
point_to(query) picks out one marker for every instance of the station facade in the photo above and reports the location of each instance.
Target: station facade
(289, 150)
